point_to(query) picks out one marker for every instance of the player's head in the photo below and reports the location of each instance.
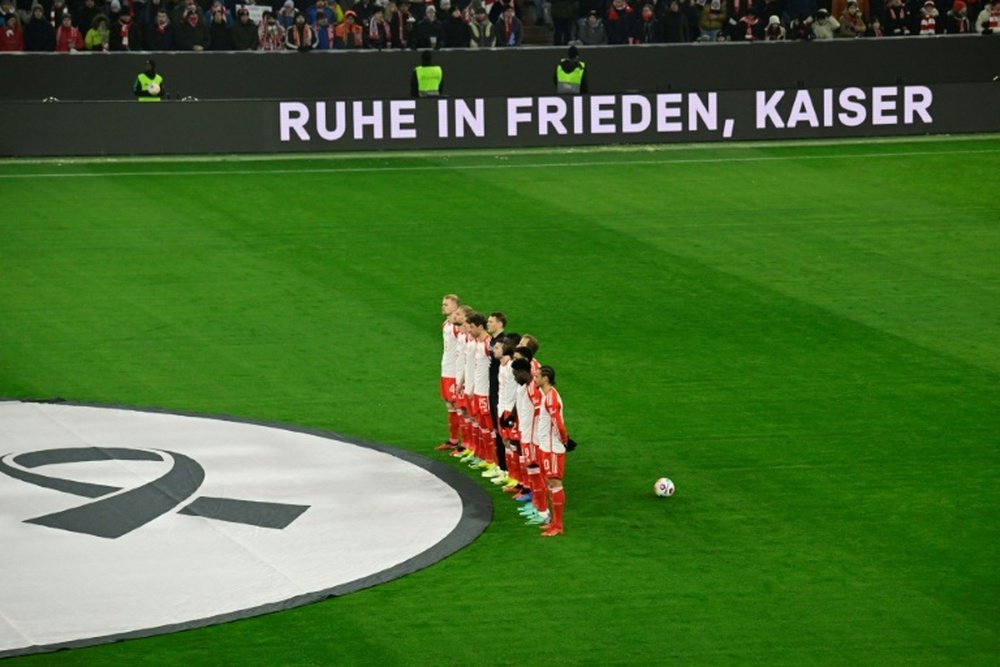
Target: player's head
(449, 302)
(496, 322)
(476, 323)
(425, 56)
(522, 371)
(529, 341)
(522, 352)
(546, 376)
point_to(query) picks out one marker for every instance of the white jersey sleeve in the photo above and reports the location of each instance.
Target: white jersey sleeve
(507, 389)
(449, 334)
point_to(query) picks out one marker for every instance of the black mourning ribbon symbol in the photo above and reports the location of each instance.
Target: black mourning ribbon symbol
(117, 512)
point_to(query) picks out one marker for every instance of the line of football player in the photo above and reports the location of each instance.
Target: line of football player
(505, 415)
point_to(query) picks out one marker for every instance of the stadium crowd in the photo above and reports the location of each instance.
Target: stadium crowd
(304, 25)
(505, 415)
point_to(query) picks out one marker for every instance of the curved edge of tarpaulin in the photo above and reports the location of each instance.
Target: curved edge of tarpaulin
(477, 512)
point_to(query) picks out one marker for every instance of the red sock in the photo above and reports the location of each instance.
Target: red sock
(489, 447)
(511, 462)
(522, 474)
(466, 434)
(454, 424)
(537, 483)
(558, 502)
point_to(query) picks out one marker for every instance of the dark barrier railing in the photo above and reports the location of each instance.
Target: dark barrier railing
(510, 72)
(399, 123)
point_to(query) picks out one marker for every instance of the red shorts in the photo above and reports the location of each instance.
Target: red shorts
(530, 451)
(507, 432)
(483, 412)
(448, 389)
(552, 464)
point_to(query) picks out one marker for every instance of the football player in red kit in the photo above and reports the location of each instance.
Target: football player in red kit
(553, 442)
(450, 308)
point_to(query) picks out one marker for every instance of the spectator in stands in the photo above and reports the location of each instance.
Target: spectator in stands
(209, 17)
(774, 32)
(286, 15)
(161, 35)
(823, 25)
(12, 37)
(180, 10)
(927, 20)
(191, 34)
(587, 6)
(115, 10)
(590, 31)
(363, 11)
(125, 34)
(852, 24)
(68, 38)
(56, 10)
(508, 29)
(219, 32)
(619, 23)
(379, 35)
(838, 8)
(874, 28)
(896, 19)
(563, 13)
(648, 30)
(481, 33)
(988, 21)
(713, 20)
(692, 12)
(243, 35)
(325, 33)
(428, 33)
(349, 35)
(300, 37)
(676, 29)
(145, 17)
(84, 15)
(749, 28)
(322, 9)
(457, 33)
(400, 23)
(271, 35)
(956, 20)
(675, 25)
(98, 36)
(38, 34)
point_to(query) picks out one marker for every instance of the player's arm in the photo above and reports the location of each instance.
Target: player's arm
(556, 413)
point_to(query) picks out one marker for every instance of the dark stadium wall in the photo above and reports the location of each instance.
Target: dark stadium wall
(253, 103)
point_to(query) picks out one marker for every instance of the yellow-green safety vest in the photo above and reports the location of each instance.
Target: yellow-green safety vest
(144, 82)
(569, 82)
(429, 80)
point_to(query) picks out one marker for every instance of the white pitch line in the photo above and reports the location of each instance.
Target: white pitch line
(494, 165)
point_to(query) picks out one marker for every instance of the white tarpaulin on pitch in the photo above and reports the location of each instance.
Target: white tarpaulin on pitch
(118, 522)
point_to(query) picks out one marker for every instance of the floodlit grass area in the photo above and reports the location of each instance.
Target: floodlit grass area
(804, 337)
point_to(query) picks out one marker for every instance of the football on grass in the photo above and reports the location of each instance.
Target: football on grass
(663, 487)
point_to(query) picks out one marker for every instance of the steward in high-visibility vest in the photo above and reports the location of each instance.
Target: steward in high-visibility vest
(148, 86)
(426, 80)
(571, 74)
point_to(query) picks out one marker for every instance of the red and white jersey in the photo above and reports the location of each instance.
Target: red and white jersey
(449, 333)
(550, 430)
(507, 388)
(459, 359)
(470, 364)
(527, 398)
(483, 355)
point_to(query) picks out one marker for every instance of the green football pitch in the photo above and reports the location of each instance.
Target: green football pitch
(805, 337)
